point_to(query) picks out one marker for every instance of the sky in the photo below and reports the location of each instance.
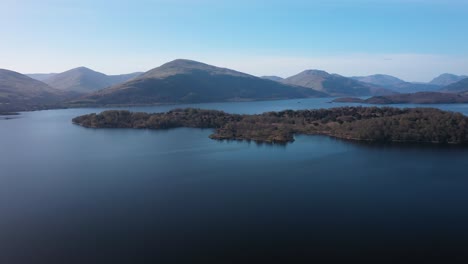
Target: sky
(415, 40)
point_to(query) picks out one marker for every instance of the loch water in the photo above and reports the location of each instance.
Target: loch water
(69, 194)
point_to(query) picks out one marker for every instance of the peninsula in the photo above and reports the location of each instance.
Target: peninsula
(421, 125)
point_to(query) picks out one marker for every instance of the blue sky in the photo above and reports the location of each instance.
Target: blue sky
(412, 39)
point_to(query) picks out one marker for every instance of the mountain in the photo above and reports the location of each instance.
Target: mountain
(396, 84)
(334, 84)
(273, 78)
(447, 79)
(380, 79)
(41, 76)
(19, 92)
(458, 87)
(83, 80)
(185, 81)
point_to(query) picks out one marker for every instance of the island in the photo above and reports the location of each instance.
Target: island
(373, 124)
(410, 98)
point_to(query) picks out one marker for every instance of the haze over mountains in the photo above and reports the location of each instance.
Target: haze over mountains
(186, 81)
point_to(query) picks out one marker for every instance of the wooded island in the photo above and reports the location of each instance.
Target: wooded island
(423, 125)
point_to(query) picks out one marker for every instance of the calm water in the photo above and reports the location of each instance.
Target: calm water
(75, 195)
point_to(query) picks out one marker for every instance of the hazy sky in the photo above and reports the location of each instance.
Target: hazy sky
(411, 39)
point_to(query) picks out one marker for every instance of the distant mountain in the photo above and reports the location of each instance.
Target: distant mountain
(380, 79)
(19, 92)
(458, 87)
(185, 81)
(273, 78)
(334, 84)
(396, 84)
(41, 76)
(447, 79)
(83, 80)
(413, 98)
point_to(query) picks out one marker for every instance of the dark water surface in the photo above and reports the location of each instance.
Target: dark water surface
(75, 195)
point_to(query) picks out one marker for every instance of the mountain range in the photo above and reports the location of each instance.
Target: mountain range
(83, 80)
(186, 81)
(380, 79)
(334, 84)
(397, 85)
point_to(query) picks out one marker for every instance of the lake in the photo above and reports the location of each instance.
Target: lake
(74, 195)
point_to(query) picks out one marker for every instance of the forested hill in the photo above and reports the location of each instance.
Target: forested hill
(422, 125)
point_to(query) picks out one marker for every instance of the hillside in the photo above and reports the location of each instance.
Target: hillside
(334, 84)
(458, 87)
(185, 81)
(83, 80)
(447, 79)
(19, 92)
